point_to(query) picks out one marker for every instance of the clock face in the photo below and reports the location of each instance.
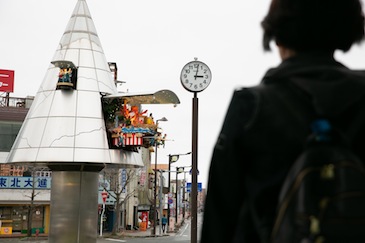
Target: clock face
(195, 76)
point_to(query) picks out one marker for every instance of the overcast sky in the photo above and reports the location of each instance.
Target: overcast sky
(151, 41)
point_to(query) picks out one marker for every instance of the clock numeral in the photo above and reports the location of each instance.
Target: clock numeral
(187, 70)
(185, 75)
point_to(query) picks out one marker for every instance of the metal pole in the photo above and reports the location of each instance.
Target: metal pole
(184, 203)
(172, 159)
(155, 193)
(177, 168)
(7, 99)
(194, 174)
(169, 191)
(160, 196)
(101, 220)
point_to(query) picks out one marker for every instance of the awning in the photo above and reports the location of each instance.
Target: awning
(159, 97)
(63, 64)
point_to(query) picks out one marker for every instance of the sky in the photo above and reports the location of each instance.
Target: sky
(151, 41)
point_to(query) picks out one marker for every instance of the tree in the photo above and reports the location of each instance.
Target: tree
(31, 172)
(121, 189)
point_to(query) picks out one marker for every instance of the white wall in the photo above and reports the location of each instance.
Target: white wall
(10, 196)
(3, 156)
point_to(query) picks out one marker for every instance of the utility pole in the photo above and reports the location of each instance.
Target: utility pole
(172, 159)
(155, 184)
(161, 200)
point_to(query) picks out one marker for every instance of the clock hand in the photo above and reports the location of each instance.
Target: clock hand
(197, 70)
(198, 76)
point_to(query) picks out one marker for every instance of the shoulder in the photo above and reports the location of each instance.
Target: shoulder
(245, 103)
(241, 110)
(244, 99)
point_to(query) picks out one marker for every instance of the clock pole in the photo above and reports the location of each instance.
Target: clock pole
(195, 77)
(194, 172)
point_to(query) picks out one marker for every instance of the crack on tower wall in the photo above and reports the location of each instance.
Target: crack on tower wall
(78, 134)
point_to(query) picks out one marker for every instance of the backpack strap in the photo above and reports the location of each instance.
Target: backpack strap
(303, 102)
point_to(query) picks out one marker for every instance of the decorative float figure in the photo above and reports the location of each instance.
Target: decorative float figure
(67, 76)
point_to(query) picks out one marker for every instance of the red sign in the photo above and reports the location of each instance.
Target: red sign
(144, 216)
(104, 196)
(6, 81)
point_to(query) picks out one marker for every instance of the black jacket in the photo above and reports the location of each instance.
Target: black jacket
(264, 131)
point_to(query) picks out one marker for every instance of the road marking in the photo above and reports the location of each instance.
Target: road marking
(115, 240)
(183, 231)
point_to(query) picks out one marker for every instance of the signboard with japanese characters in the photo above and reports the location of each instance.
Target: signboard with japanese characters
(18, 182)
(6, 81)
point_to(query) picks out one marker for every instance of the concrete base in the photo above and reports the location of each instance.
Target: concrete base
(74, 207)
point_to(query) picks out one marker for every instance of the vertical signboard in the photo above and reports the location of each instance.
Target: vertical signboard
(6, 81)
(124, 180)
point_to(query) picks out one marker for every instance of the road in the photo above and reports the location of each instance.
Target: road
(183, 236)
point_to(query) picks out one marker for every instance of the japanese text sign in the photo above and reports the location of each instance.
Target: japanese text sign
(6, 81)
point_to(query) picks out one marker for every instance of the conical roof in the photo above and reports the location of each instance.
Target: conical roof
(67, 126)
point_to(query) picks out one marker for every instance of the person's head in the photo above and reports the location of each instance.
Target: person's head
(314, 25)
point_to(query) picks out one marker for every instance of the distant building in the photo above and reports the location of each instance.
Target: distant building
(16, 183)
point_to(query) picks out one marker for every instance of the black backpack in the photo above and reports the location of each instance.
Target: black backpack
(322, 199)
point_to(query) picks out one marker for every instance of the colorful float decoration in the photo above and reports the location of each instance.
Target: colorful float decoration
(132, 127)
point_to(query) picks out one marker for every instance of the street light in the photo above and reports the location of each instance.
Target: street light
(178, 170)
(155, 193)
(172, 159)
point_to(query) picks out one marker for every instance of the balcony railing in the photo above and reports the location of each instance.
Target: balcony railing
(16, 101)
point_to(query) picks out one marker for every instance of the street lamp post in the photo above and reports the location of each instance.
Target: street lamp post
(176, 194)
(178, 171)
(155, 183)
(172, 159)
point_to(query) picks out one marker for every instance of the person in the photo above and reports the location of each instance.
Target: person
(265, 126)
(164, 222)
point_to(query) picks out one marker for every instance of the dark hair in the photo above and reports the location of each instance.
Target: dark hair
(314, 25)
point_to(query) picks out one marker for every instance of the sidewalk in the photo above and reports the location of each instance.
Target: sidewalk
(136, 234)
(122, 235)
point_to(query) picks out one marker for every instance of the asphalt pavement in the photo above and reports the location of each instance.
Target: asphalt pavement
(101, 239)
(130, 236)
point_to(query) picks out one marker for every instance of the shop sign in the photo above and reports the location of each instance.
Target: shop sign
(188, 186)
(6, 230)
(124, 180)
(6, 80)
(18, 182)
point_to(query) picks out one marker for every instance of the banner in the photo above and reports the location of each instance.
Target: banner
(19, 182)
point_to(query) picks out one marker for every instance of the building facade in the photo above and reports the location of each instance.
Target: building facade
(21, 198)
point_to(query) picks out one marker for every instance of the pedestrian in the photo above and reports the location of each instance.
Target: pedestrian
(262, 135)
(164, 222)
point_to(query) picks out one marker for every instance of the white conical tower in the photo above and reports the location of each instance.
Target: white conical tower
(65, 130)
(67, 126)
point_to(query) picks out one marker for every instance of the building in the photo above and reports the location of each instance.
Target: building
(16, 183)
(14, 203)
